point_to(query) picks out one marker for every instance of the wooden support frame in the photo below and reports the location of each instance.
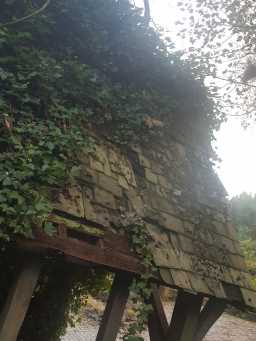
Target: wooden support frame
(212, 310)
(158, 308)
(154, 327)
(185, 317)
(18, 300)
(189, 322)
(157, 322)
(114, 310)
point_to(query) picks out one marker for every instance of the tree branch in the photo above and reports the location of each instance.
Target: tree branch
(233, 81)
(38, 11)
(147, 11)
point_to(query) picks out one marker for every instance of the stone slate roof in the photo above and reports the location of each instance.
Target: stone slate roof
(173, 187)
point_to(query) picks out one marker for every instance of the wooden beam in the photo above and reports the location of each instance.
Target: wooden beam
(159, 309)
(185, 317)
(114, 310)
(213, 309)
(18, 300)
(157, 322)
(82, 251)
(155, 329)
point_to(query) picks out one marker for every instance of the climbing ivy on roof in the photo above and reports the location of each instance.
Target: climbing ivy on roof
(72, 66)
(75, 65)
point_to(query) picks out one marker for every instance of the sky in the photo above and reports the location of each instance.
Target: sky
(234, 145)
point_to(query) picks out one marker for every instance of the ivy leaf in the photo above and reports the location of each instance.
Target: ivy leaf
(17, 196)
(75, 171)
(2, 198)
(3, 74)
(49, 228)
(7, 181)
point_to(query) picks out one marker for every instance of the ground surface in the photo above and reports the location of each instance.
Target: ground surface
(228, 328)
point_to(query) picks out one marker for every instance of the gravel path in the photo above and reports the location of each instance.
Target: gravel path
(228, 328)
(231, 328)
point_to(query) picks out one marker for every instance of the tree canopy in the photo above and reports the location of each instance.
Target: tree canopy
(244, 216)
(223, 43)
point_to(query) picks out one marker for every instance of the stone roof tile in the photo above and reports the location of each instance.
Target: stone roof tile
(193, 242)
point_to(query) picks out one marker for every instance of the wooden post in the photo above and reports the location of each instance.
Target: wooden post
(114, 310)
(157, 322)
(18, 300)
(209, 315)
(154, 327)
(185, 317)
(159, 309)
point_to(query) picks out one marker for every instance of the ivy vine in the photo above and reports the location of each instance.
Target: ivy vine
(38, 155)
(141, 287)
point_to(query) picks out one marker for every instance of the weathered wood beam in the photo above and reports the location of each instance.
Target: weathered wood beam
(114, 310)
(185, 317)
(82, 251)
(157, 322)
(213, 309)
(158, 307)
(155, 329)
(18, 300)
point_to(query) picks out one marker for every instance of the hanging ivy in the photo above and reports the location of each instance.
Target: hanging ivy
(141, 287)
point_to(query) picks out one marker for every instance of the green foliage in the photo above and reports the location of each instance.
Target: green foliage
(61, 293)
(249, 248)
(244, 216)
(222, 38)
(141, 287)
(37, 154)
